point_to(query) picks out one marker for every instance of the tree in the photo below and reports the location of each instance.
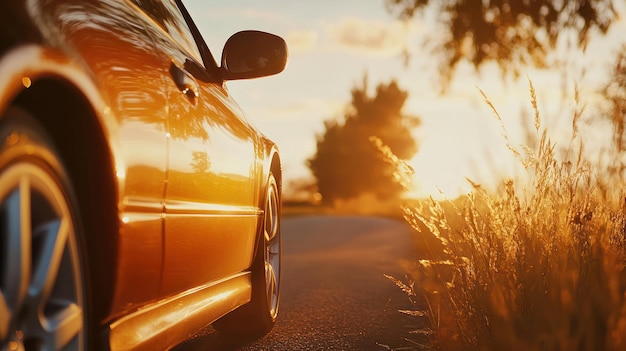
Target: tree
(200, 162)
(614, 92)
(511, 33)
(348, 163)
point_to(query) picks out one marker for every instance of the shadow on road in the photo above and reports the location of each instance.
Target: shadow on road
(210, 339)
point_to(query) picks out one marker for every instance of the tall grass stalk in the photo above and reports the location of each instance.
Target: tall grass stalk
(536, 265)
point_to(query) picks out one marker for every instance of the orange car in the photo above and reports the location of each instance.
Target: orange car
(137, 203)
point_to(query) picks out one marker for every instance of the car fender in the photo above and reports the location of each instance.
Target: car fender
(24, 65)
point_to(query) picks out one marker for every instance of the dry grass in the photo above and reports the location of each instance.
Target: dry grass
(537, 265)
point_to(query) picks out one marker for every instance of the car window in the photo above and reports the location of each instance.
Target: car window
(166, 14)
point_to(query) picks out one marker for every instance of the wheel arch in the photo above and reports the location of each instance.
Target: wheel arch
(61, 98)
(272, 165)
(276, 169)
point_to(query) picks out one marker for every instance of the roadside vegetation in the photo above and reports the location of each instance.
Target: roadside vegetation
(348, 169)
(538, 264)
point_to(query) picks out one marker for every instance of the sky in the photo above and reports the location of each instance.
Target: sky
(334, 44)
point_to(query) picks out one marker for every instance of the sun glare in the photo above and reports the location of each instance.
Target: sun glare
(439, 177)
(447, 157)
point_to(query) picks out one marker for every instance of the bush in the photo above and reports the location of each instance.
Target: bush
(537, 265)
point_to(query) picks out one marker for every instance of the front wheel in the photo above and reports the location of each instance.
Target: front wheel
(42, 290)
(259, 315)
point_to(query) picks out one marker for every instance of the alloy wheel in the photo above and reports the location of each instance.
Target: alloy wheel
(41, 286)
(272, 247)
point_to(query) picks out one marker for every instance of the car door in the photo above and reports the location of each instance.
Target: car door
(211, 207)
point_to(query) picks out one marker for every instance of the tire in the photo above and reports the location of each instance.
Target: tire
(259, 316)
(42, 281)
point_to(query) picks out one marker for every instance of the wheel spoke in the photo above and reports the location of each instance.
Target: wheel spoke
(59, 329)
(63, 327)
(269, 229)
(53, 236)
(16, 209)
(271, 215)
(270, 283)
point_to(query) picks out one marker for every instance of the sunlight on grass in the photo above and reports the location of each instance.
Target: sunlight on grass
(536, 265)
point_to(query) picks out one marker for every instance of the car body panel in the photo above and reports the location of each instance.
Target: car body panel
(165, 323)
(188, 171)
(209, 231)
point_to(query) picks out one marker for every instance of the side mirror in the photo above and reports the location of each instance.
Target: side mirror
(252, 54)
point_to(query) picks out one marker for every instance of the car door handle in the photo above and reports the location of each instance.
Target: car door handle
(185, 82)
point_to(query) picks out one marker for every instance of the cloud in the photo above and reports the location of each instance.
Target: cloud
(268, 16)
(301, 41)
(371, 37)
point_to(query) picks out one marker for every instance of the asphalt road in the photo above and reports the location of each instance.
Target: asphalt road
(334, 295)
